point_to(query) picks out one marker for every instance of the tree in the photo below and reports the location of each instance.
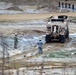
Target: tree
(4, 45)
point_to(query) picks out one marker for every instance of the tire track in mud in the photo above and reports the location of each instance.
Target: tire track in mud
(46, 48)
(50, 47)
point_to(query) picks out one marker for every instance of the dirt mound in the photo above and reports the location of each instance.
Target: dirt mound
(43, 4)
(29, 31)
(14, 8)
(73, 19)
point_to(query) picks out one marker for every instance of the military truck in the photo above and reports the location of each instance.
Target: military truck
(57, 29)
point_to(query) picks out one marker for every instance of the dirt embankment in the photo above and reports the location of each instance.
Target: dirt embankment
(49, 5)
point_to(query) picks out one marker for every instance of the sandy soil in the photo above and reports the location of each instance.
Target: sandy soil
(6, 30)
(20, 17)
(24, 17)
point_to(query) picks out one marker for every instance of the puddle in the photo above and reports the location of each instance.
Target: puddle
(28, 43)
(10, 12)
(73, 35)
(24, 44)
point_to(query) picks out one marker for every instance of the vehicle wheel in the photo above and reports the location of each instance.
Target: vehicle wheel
(67, 34)
(47, 38)
(62, 38)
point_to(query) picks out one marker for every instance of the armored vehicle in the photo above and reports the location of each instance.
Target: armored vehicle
(57, 29)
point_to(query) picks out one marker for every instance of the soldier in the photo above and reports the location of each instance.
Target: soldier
(15, 41)
(40, 47)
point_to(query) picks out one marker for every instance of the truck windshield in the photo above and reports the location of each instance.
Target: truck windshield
(57, 20)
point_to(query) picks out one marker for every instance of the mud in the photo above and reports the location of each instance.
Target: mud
(30, 28)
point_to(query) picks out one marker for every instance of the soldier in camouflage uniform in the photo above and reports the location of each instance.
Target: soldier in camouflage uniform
(15, 41)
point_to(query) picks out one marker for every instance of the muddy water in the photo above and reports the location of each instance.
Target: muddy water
(25, 43)
(28, 42)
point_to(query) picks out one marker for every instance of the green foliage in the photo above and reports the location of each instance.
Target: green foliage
(51, 55)
(58, 54)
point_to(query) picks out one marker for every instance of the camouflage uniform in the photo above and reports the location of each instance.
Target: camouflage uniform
(15, 42)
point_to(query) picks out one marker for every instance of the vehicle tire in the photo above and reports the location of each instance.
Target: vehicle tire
(67, 34)
(62, 38)
(47, 38)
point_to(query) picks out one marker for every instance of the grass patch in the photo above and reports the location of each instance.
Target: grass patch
(58, 54)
